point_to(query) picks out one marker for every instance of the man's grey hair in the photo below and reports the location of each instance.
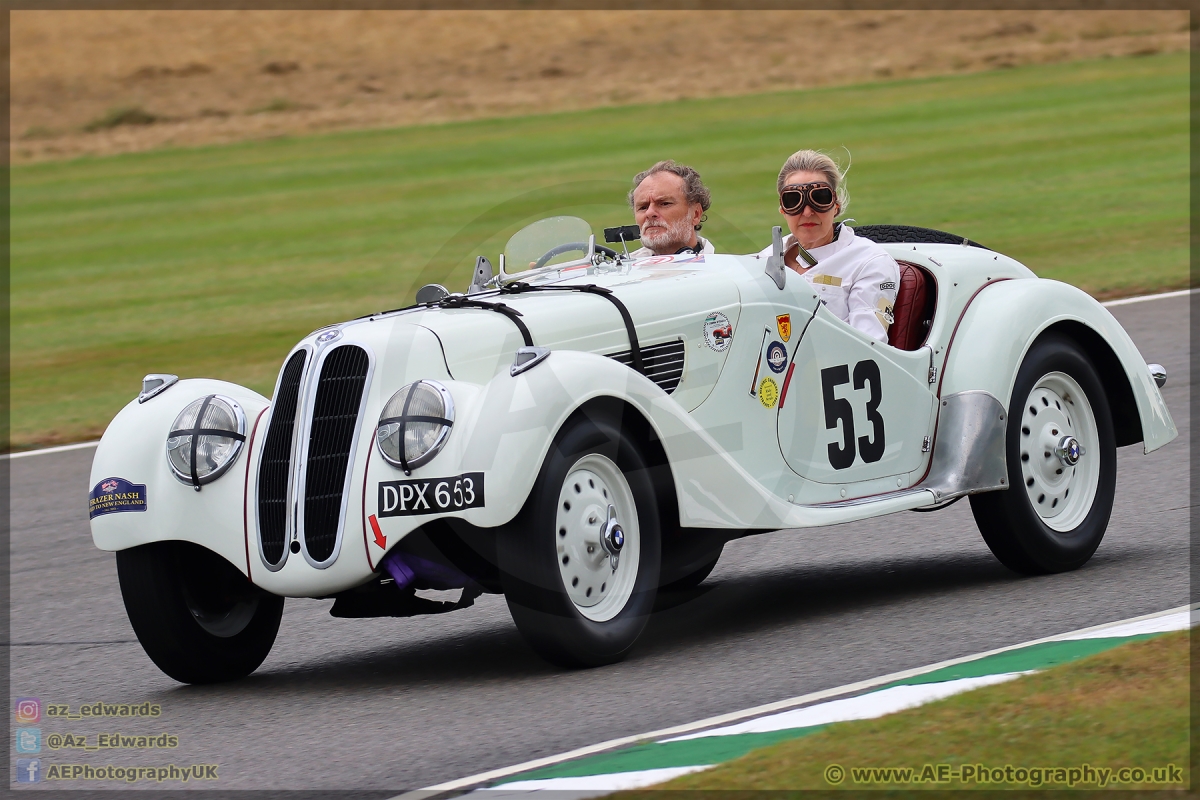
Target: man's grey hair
(816, 161)
(694, 189)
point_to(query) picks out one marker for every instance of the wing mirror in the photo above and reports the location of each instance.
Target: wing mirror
(432, 293)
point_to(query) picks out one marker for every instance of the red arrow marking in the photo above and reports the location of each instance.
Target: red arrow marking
(380, 539)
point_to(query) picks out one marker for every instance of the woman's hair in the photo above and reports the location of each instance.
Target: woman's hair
(816, 161)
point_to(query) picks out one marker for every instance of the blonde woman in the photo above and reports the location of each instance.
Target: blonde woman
(855, 278)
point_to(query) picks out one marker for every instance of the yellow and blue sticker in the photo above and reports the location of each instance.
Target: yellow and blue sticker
(116, 494)
(768, 392)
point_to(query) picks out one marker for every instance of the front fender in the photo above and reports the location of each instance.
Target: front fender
(1004, 320)
(134, 448)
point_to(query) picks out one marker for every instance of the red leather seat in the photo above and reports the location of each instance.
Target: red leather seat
(913, 310)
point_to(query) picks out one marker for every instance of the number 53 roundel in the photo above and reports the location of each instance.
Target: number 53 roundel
(855, 411)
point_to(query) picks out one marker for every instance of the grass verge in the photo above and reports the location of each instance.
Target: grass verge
(1125, 707)
(214, 261)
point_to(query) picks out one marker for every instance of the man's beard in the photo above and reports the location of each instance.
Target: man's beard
(668, 239)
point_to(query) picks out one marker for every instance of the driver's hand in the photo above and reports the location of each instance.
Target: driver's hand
(533, 263)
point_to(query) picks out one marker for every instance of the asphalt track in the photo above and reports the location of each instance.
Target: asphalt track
(393, 705)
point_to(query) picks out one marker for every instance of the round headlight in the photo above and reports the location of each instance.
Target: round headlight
(205, 439)
(414, 424)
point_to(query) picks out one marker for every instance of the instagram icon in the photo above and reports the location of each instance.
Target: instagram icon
(29, 710)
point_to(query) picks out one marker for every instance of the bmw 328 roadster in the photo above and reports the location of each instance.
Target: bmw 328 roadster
(592, 428)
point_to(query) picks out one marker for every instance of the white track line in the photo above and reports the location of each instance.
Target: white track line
(47, 451)
(1124, 301)
(1110, 303)
(593, 785)
(736, 716)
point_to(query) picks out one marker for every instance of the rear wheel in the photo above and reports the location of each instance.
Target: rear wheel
(1062, 464)
(580, 564)
(198, 618)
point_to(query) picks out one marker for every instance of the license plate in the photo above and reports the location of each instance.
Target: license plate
(430, 495)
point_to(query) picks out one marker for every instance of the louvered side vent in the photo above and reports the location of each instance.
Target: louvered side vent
(663, 363)
(277, 460)
(335, 418)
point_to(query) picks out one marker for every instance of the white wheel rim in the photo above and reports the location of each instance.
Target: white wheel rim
(598, 591)
(1056, 410)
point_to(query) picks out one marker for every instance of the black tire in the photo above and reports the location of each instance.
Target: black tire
(530, 550)
(910, 234)
(198, 618)
(693, 579)
(1009, 520)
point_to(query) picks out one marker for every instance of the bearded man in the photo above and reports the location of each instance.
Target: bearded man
(669, 201)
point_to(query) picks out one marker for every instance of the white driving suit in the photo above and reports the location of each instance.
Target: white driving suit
(855, 278)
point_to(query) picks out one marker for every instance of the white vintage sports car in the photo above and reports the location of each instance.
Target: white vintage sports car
(595, 427)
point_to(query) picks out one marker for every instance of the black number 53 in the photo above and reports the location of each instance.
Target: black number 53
(838, 409)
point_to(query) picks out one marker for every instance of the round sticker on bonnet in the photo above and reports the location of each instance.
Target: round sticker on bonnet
(776, 357)
(718, 332)
(768, 392)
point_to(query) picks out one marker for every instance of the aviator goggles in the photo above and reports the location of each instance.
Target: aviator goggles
(819, 196)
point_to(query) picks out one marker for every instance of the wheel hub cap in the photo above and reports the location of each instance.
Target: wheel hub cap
(597, 538)
(612, 538)
(1058, 429)
(1069, 450)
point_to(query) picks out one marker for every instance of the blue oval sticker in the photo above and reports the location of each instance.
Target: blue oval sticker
(116, 494)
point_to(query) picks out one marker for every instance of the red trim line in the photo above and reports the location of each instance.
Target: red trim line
(246, 491)
(787, 381)
(366, 542)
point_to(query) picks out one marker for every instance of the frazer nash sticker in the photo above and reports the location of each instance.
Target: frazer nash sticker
(116, 494)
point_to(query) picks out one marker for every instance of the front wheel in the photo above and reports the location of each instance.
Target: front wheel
(1062, 464)
(580, 564)
(198, 618)
(693, 578)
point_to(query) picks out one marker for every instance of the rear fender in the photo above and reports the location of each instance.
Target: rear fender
(1007, 317)
(134, 448)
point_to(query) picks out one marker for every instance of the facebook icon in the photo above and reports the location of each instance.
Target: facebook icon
(29, 770)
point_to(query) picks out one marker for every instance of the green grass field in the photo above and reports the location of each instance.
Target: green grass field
(214, 261)
(1127, 707)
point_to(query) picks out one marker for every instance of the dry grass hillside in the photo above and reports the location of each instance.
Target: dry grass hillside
(113, 81)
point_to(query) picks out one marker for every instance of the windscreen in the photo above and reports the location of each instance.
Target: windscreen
(534, 245)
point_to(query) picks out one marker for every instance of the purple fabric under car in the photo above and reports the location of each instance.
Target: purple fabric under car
(407, 569)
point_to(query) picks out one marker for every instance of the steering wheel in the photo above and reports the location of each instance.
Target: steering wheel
(568, 247)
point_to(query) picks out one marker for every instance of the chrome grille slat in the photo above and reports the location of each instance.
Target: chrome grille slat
(330, 443)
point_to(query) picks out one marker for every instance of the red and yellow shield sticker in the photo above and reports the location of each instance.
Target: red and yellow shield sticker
(784, 323)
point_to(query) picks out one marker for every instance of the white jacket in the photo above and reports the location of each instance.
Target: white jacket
(855, 278)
